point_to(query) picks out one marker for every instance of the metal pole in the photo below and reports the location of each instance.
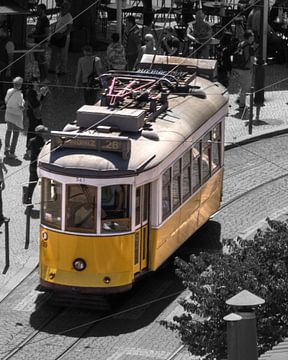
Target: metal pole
(7, 248)
(28, 217)
(251, 110)
(262, 54)
(119, 19)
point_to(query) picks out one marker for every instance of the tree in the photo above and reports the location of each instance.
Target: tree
(259, 266)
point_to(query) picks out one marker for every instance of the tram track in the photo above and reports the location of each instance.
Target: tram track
(255, 188)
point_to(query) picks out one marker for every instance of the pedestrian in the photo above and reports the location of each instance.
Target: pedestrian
(116, 59)
(35, 145)
(60, 41)
(34, 98)
(224, 64)
(132, 41)
(148, 48)
(170, 44)
(245, 71)
(7, 48)
(40, 36)
(2, 185)
(13, 116)
(88, 66)
(199, 32)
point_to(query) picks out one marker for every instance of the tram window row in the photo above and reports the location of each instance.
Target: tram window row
(192, 170)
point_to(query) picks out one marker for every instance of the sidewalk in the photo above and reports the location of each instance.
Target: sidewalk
(59, 108)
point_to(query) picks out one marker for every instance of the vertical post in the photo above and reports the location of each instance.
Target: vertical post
(28, 217)
(119, 19)
(7, 247)
(232, 338)
(262, 54)
(251, 110)
(243, 336)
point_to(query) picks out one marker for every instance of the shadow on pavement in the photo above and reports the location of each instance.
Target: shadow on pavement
(141, 306)
(12, 162)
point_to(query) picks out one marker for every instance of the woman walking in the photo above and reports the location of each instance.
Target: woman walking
(13, 116)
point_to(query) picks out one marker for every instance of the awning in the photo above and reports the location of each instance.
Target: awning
(9, 8)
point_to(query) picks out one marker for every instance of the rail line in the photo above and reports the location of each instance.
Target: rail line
(242, 195)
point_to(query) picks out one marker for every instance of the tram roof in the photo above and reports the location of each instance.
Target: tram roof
(186, 115)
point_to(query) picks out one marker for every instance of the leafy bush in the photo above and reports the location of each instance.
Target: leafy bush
(259, 266)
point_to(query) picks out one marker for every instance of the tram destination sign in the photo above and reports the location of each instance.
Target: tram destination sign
(61, 139)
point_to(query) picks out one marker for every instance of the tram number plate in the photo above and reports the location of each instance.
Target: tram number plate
(101, 144)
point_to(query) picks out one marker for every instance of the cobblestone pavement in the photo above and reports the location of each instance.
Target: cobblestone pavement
(60, 107)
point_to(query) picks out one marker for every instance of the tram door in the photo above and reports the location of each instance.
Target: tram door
(142, 228)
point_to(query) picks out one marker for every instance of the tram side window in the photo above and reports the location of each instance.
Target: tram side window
(176, 184)
(196, 166)
(115, 209)
(216, 147)
(51, 203)
(166, 194)
(206, 157)
(81, 208)
(186, 165)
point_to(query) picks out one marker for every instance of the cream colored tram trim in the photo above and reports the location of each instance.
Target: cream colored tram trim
(145, 176)
(156, 195)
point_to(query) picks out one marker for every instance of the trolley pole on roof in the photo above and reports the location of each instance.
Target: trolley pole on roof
(262, 54)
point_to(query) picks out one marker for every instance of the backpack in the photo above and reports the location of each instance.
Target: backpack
(239, 60)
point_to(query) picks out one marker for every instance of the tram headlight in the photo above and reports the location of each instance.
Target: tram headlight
(79, 264)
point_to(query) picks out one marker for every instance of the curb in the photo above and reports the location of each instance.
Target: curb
(257, 137)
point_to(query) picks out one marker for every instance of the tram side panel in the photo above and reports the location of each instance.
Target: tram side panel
(186, 220)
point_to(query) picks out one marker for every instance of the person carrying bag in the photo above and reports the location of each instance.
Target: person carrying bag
(89, 68)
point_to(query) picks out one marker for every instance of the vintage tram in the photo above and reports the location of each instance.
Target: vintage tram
(132, 178)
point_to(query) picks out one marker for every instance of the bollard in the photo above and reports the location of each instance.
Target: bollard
(7, 247)
(232, 338)
(241, 330)
(28, 217)
(251, 110)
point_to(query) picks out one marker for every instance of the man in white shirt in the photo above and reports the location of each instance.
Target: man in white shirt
(59, 54)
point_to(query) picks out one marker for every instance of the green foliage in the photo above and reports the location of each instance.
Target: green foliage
(259, 266)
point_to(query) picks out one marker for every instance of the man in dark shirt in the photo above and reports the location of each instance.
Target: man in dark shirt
(35, 145)
(131, 41)
(40, 36)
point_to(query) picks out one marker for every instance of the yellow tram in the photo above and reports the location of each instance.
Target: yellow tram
(132, 178)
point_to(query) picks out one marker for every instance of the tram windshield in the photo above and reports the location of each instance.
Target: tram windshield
(115, 209)
(81, 208)
(51, 203)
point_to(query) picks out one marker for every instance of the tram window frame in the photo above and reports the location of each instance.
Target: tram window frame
(196, 164)
(216, 147)
(206, 152)
(116, 224)
(177, 184)
(186, 169)
(47, 183)
(88, 192)
(166, 187)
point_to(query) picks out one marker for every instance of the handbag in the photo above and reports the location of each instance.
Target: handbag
(58, 40)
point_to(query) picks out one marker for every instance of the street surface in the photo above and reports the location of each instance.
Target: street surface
(256, 177)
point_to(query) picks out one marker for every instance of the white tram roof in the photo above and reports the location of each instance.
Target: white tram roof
(186, 115)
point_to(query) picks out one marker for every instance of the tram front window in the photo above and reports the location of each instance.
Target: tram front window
(51, 203)
(81, 208)
(115, 209)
